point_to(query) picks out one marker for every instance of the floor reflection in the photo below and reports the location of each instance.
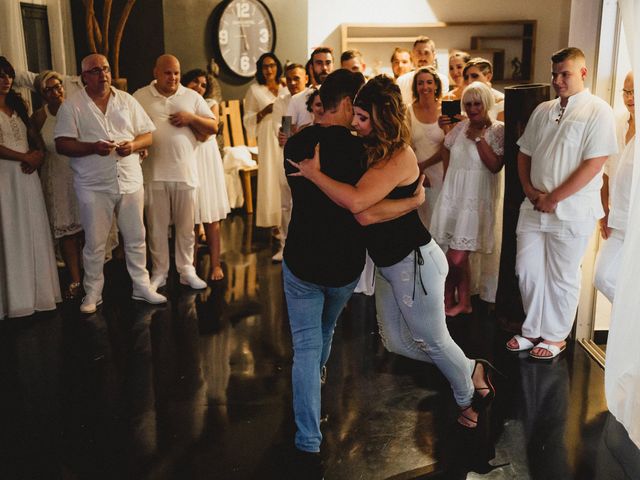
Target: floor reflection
(200, 388)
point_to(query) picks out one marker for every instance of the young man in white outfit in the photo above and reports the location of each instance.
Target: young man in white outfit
(102, 129)
(562, 152)
(182, 118)
(423, 54)
(296, 78)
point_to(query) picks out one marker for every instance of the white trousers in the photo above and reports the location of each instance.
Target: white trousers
(548, 268)
(166, 203)
(96, 215)
(287, 204)
(608, 264)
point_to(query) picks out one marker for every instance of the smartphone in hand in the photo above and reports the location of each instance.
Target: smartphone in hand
(451, 108)
(286, 125)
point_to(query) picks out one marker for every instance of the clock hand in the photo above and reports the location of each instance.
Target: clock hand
(244, 38)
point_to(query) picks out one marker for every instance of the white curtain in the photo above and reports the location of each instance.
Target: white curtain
(12, 35)
(622, 372)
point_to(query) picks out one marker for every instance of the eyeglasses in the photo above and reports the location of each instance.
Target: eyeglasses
(627, 93)
(57, 87)
(98, 70)
(269, 65)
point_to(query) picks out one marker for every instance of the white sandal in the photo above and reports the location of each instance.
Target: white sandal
(555, 350)
(523, 344)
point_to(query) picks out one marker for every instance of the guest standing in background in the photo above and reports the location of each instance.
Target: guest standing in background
(258, 121)
(28, 271)
(427, 136)
(212, 202)
(57, 182)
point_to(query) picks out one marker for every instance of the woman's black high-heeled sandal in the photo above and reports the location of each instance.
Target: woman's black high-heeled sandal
(481, 402)
(471, 420)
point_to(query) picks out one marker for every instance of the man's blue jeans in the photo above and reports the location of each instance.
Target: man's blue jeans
(313, 312)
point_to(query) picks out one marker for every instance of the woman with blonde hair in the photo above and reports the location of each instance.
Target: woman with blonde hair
(411, 267)
(464, 214)
(57, 182)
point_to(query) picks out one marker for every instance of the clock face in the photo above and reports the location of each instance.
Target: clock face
(245, 31)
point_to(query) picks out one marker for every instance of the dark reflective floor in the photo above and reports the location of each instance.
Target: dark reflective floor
(200, 389)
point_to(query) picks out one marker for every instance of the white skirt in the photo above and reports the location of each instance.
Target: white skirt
(212, 202)
(28, 270)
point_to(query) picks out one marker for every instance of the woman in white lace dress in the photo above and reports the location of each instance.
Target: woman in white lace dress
(464, 213)
(57, 182)
(427, 136)
(28, 271)
(212, 202)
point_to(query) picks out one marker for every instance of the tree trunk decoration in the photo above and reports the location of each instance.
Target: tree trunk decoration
(98, 35)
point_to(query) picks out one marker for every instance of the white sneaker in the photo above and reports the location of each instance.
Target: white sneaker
(277, 258)
(148, 295)
(158, 281)
(90, 304)
(193, 280)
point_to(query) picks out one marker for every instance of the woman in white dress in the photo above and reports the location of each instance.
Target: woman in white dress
(616, 198)
(28, 271)
(427, 136)
(57, 183)
(258, 106)
(457, 61)
(464, 214)
(212, 202)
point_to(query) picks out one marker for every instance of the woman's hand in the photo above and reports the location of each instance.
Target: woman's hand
(264, 112)
(32, 160)
(309, 167)
(605, 230)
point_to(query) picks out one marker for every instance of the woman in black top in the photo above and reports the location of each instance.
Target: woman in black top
(411, 267)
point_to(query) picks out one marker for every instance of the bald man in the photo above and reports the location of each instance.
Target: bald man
(562, 151)
(182, 118)
(102, 129)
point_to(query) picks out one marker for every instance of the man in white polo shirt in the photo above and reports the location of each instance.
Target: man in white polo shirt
(562, 152)
(102, 129)
(182, 118)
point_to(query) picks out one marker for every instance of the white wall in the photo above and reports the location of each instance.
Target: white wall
(325, 17)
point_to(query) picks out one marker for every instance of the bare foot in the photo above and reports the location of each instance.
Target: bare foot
(457, 310)
(217, 273)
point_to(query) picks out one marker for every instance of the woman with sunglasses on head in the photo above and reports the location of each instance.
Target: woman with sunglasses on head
(411, 268)
(57, 182)
(28, 270)
(464, 214)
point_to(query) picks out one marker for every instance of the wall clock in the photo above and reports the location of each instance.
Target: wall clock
(244, 31)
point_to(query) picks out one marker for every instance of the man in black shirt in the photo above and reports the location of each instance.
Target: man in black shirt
(325, 252)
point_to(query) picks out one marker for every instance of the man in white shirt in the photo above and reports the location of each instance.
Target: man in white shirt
(423, 54)
(562, 151)
(321, 67)
(182, 118)
(296, 78)
(102, 129)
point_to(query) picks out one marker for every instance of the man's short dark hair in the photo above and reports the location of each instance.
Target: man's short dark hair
(339, 84)
(318, 50)
(349, 54)
(569, 53)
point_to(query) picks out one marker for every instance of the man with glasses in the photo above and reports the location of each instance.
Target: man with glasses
(182, 118)
(102, 129)
(562, 151)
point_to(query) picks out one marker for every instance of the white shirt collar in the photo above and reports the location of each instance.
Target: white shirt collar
(154, 90)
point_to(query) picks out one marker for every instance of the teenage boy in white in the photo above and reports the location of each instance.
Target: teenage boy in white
(562, 152)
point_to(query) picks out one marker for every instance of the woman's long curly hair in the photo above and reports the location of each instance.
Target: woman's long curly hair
(382, 100)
